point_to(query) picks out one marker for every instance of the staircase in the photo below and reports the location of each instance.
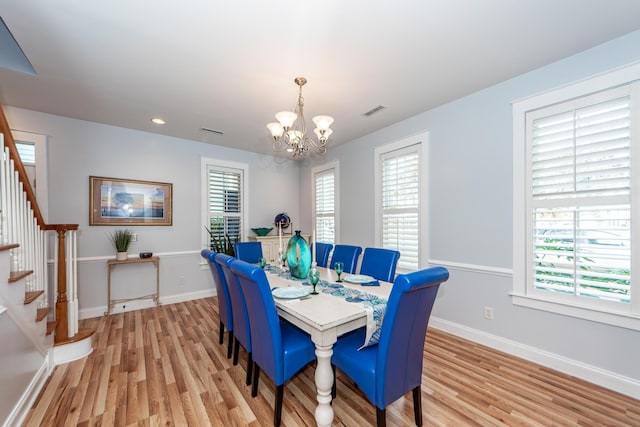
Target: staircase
(26, 307)
(36, 336)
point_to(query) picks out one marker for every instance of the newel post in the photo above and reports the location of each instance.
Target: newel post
(62, 325)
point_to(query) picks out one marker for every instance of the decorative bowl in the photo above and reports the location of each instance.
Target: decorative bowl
(146, 254)
(262, 231)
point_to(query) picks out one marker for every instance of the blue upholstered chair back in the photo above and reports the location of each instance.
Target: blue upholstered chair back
(266, 338)
(400, 350)
(241, 323)
(322, 257)
(250, 252)
(224, 302)
(348, 255)
(380, 263)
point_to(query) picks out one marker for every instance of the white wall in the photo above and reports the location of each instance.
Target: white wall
(470, 188)
(78, 149)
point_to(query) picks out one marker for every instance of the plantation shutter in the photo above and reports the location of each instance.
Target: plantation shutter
(401, 204)
(325, 206)
(27, 152)
(580, 182)
(225, 202)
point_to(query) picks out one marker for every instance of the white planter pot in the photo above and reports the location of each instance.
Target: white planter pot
(121, 256)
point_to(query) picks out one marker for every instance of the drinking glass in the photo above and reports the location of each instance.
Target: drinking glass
(262, 262)
(314, 278)
(339, 268)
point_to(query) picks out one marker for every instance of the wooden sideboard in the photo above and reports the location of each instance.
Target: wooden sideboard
(270, 244)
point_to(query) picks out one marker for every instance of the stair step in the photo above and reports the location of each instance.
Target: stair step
(42, 313)
(15, 276)
(31, 296)
(82, 334)
(51, 326)
(7, 247)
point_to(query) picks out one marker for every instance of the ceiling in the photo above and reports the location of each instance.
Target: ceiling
(230, 65)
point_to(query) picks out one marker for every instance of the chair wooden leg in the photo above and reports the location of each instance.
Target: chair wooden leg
(230, 346)
(221, 332)
(417, 405)
(333, 387)
(381, 417)
(256, 377)
(277, 416)
(249, 367)
(236, 351)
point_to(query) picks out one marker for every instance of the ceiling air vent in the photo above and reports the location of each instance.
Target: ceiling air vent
(217, 132)
(374, 110)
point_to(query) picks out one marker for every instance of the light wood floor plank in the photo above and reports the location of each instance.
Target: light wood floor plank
(164, 367)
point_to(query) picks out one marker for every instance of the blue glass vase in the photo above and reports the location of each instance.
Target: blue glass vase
(298, 256)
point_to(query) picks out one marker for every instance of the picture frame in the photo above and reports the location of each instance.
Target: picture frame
(116, 201)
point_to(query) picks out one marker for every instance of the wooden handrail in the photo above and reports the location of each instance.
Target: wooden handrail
(22, 174)
(60, 229)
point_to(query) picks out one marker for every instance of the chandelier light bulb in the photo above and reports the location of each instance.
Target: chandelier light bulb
(295, 136)
(276, 129)
(323, 135)
(323, 122)
(286, 118)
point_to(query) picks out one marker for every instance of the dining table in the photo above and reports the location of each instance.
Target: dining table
(325, 317)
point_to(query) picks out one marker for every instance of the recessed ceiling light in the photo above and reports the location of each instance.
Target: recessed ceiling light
(158, 121)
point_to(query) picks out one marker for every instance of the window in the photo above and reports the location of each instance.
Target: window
(27, 152)
(399, 201)
(32, 148)
(325, 202)
(225, 201)
(576, 214)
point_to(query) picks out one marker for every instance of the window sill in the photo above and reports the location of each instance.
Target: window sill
(621, 319)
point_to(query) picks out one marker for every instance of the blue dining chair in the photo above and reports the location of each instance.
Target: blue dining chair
(348, 255)
(322, 257)
(388, 370)
(279, 348)
(250, 252)
(380, 263)
(224, 303)
(241, 325)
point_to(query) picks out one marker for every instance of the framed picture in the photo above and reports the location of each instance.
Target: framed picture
(114, 201)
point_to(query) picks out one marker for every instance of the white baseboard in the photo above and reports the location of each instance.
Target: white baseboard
(601, 377)
(20, 411)
(87, 313)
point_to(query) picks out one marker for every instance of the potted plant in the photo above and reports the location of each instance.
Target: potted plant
(121, 240)
(221, 243)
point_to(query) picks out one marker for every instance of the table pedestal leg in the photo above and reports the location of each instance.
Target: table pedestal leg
(324, 382)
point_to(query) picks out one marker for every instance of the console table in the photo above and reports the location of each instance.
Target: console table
(113, 262)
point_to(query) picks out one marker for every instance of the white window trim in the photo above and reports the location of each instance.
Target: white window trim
(42, 181)
(204, 164)
(335, 165)
(520, 295)
(423, 212)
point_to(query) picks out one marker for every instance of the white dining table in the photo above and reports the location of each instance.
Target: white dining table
(325, 317)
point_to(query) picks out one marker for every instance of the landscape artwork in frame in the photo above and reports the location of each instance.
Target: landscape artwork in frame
(115, 201)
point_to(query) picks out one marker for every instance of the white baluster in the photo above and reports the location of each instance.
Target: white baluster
(3, 195)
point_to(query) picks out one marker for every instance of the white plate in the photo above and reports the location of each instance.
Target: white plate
(358, 278)
(290, 293)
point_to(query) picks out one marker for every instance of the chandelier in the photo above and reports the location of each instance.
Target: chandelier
(289, 133)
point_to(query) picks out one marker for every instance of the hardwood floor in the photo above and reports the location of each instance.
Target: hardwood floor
(164, 366)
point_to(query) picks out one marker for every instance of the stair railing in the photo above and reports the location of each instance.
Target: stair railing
(21, 222)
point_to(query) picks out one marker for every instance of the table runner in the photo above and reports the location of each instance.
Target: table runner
(375, 306)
